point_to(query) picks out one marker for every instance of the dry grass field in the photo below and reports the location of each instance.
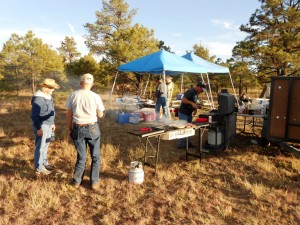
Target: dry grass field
(245, 184)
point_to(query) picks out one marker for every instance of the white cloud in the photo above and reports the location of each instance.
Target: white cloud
(225, 24)
(220, 49)
(71, 27)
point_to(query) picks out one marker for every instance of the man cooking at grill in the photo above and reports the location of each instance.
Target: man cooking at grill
(188, 108)
(84, 106)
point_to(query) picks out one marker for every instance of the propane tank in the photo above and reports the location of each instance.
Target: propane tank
(214, 137)
(136, 172)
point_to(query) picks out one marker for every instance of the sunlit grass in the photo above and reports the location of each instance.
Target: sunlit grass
(235, 187)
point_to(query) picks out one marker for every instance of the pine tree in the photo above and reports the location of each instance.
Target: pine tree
(68, 50)
(27, 59)
(117, 41)
(274, 38)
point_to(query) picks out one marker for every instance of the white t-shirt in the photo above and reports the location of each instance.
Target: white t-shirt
(84, 105)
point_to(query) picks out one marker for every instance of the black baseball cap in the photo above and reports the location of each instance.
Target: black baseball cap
(202, 85)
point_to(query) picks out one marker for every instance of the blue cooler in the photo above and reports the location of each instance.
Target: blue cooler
(123, 118)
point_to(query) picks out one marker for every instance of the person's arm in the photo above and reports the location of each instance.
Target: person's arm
(35, 114)
(100, 113)
(100, 107)
(69, 121)
(188, 102)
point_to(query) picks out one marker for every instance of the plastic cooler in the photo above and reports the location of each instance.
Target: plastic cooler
(123, 118)
(134, 118)
(149, 114)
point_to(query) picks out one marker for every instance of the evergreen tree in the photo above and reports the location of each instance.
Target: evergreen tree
(274, 40)
(161, 45)
(86, 64)
(26, 59)
(243, 71)
(68, 50)
(203, 52)
(117, 41)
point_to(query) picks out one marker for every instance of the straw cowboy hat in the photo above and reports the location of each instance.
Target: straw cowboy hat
(49, 83)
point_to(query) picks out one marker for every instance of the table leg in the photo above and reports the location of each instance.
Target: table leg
(157, 153)
(200, 142)
(186, 148)
(146, 148)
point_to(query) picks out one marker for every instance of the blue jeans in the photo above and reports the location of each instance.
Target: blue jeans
(161, 102)
(41, 146)
(83, 136)
(182, 141)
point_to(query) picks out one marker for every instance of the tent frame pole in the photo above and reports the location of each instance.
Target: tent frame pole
(146, 85)
(211, 97)
(208, 98)
(112, 89)
(236, 99)
(181, 86)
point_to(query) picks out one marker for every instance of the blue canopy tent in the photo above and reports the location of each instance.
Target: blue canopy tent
(160, 62)
(210, 67)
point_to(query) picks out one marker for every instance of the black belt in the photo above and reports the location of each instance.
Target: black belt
(84, 125)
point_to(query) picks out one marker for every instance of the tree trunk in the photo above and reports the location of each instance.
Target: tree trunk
(33, 84)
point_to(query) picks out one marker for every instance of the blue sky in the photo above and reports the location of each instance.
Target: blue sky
(179, 23)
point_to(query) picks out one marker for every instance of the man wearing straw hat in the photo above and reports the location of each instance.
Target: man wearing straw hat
(84, 106)
(43, 115)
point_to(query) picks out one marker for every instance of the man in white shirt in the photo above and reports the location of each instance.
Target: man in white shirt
(84, 107)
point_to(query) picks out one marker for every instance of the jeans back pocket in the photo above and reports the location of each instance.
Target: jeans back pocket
(94, 131)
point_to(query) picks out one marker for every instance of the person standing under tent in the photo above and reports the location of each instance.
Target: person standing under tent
(161, 99)
(43, 115)
(170, 87)
(188, 108)
(84, 106)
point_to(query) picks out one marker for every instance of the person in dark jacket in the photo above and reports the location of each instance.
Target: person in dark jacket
(188, 107)
(43, 115)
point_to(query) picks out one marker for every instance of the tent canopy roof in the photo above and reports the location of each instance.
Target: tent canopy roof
(160, 61)
(211, 67)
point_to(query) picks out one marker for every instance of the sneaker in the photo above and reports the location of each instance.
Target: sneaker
(43, 172)
(76, 185)
(95, 187)
(49, 167)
